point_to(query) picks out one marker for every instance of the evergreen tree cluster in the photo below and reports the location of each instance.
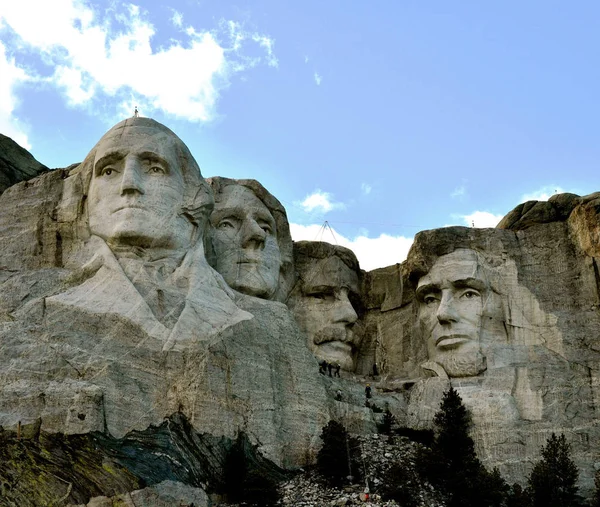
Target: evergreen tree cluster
(451, 464)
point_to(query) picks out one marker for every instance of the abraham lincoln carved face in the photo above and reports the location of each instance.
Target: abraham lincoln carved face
(452, 299)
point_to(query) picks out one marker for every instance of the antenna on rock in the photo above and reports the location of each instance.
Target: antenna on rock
(322, 230)
(136, 113)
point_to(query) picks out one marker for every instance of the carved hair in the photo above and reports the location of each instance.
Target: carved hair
(198, 200)
(307, 251)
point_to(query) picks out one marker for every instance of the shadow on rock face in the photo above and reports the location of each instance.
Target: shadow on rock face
(74, 468)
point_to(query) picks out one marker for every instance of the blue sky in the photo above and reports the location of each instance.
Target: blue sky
(380, 118)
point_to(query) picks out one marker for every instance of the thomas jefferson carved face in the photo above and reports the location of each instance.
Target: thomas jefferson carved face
(244, 242)
(323, 309)
(137, 191)
(452, 298)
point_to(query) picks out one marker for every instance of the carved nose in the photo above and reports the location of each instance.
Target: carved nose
(132, 180)
(446, 312)
(344, 311)
(253, 236)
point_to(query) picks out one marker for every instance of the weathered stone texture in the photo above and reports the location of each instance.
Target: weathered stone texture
(540, 348)
(100, 335)
(16, 164)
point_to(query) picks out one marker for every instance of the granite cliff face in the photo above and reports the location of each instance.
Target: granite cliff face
(516, 330)
(16, 164)
(134, 292)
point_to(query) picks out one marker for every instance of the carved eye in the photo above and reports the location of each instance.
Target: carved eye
(155, 169)
(430, 299)
(323, 295)
(107, 171)
(470, 294)
(225, 224)
(265, 227)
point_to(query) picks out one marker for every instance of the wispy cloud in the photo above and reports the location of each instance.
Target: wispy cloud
(97, 58)
(320, 201)
(305, 59)
(267, 44)
(366, 188)
(177, 19)
(371, 253)
(459, 193)
(481, 219)
(542, 194)
(318, 79)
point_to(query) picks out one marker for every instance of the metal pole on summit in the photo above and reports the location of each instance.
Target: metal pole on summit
(322, 230)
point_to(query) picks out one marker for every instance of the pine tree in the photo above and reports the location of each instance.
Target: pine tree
(553, 480)
(517, 497)
(452, 464)
(339, 457)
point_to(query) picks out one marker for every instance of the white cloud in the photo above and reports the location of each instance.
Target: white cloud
(305, 59)
(371, 253)
(459, 193)
(112, 55)
(542, 194)
(12, 76)
(177, 19)
(481, 219)
(267, 44)
(366, 188)
(318, 79)
(320, 201)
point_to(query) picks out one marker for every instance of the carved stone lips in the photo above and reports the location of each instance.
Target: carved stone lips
(246, 259)
(129, 206)
(451, 341)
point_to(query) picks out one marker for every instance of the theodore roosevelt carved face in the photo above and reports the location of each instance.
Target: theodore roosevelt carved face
(324, 299)
(452, 298)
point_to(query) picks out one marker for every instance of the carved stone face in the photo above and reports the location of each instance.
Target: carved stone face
(324, 311)
(452, 297)
(137, 190)
(244, 242)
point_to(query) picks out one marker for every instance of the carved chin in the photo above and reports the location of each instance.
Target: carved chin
(336, 352)
(462, 364)
(252, 285)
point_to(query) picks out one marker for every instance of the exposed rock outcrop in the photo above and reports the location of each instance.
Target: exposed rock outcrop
(16, 164)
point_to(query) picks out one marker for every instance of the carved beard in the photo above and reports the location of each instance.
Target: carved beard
(463, 364)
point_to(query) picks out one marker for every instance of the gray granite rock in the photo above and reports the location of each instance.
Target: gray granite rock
(16, 164)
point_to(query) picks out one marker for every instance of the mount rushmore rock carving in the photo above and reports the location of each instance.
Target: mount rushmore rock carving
(328, 281)
(137, 297)
(249, 239)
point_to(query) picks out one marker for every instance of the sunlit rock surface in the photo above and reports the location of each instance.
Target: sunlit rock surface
(118, 322)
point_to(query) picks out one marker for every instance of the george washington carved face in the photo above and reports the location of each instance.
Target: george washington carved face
(138, 189)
